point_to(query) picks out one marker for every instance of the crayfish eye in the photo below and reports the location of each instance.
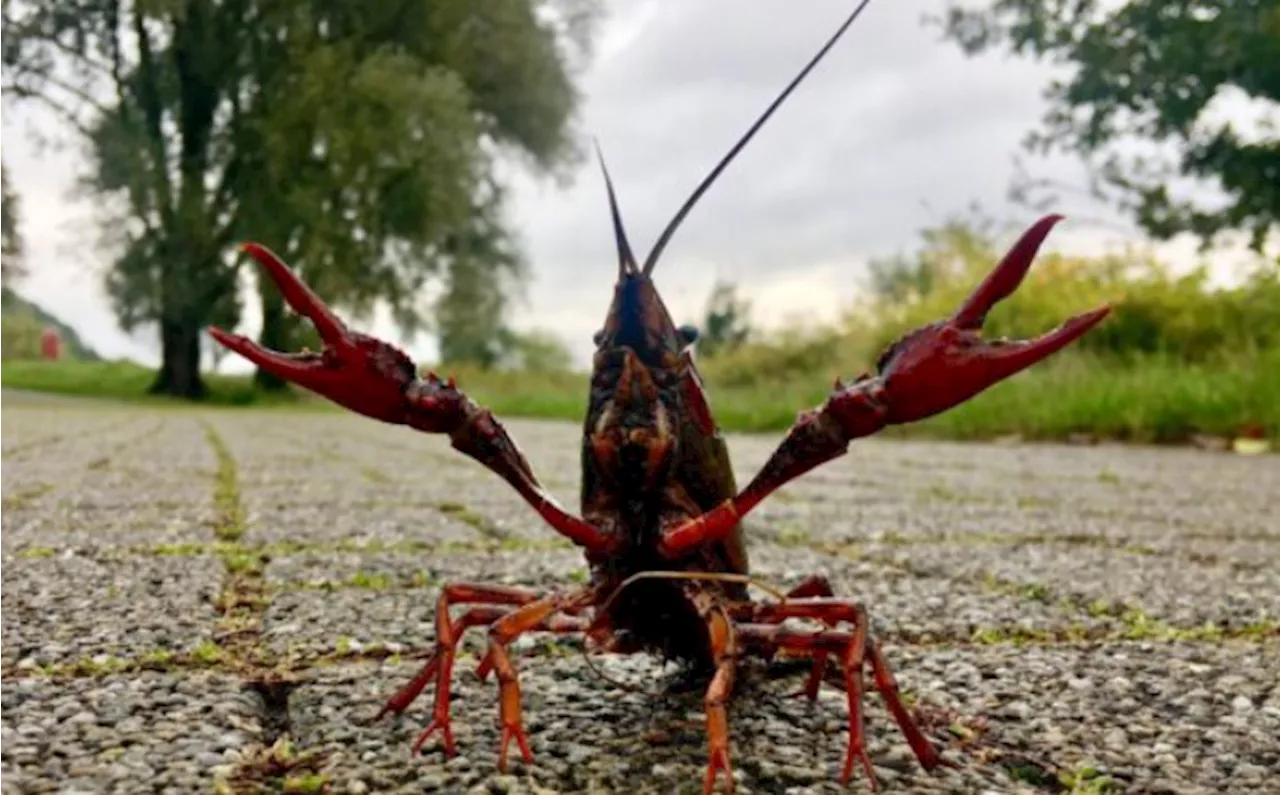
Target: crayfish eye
(688, 334)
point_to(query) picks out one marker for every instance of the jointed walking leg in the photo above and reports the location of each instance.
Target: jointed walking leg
(853, 648)
(811, 586)
(544, 613)
(495, 601)
(815, 585)
(724, 652)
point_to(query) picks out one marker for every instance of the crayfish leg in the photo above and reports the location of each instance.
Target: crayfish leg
(493, 603)
(718, 726)
(551, 613)
(510, 712)
(724, 654)
(814, 585)
(854, 648)
(920, 745)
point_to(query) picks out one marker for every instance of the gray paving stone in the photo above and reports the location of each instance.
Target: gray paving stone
(149, 732)
(68, 607)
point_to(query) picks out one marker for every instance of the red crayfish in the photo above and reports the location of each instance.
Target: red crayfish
(660, 512)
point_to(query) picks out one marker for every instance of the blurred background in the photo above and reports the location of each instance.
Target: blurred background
(426, 167)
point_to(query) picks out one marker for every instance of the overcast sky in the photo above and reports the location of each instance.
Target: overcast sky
(892, 132)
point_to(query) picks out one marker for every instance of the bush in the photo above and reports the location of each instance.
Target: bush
(20, 335)
(770, 363)
(1154, 312)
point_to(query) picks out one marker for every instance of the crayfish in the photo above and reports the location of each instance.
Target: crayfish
(660, 514)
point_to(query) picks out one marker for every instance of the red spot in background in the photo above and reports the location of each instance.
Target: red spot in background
(50, 344)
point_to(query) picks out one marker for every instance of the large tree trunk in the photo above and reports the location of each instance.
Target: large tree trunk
(275, 336)
(180, 361)
(191, 282)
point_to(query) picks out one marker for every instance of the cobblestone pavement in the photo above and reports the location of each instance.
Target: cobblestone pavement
(219, 600)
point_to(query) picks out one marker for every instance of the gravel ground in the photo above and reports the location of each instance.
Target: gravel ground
(151, 732)
(184, 589)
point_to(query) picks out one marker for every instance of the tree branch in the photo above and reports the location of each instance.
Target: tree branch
(149, 99)
(59, 109)
(79, 57)
(80, 94)
(228, 184)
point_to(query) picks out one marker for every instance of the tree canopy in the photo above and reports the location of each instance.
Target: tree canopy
(358, 140)
(1153, 73)
(11, 267)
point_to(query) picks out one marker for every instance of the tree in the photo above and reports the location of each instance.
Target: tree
(727, 324)
(469, 313)
(900, 279)
(356, 139)
(1150, 72)
(12, 267)
(504, 62)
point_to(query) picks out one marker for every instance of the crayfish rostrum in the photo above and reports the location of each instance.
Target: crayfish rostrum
(660, 514)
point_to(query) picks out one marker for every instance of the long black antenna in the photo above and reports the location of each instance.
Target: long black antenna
(652, 259)
(626, 260)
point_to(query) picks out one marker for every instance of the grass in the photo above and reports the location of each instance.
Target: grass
(229, 523)
(1150, 400)
(129, 381)
(1153, 400)
(1147, 400)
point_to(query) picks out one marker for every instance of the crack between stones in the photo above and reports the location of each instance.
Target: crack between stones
(272, 764)
(277, 721)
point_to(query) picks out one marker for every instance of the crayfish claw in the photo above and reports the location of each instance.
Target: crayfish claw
(289, 366)
(296, 367)
(940, 365)
(1011, 356)
(299, 296)
(1003, 281)
(1005, 277)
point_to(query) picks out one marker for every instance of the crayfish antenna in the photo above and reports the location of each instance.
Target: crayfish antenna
(626, 260)
(652, 259)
